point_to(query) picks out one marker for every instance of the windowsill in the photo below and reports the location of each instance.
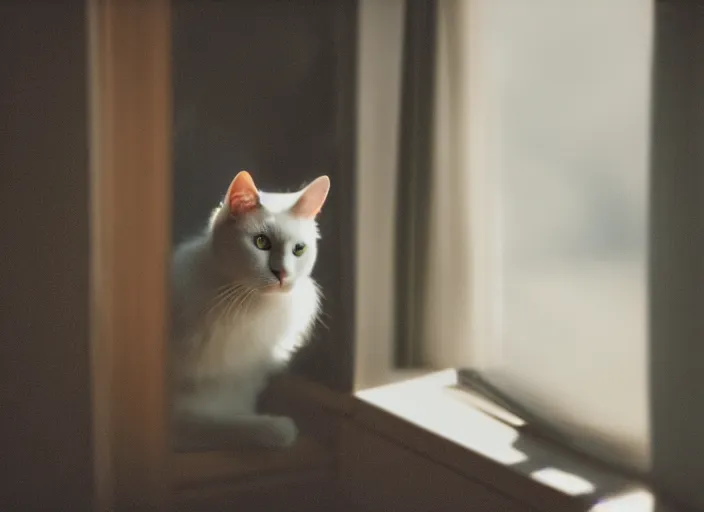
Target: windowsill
(196, 469)
(426, 415)
(265, 478)
(495, 452)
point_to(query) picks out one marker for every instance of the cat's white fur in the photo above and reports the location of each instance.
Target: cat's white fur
(234, 321)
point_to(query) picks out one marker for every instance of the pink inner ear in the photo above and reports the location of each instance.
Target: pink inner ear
(311, 201)
(242, 196)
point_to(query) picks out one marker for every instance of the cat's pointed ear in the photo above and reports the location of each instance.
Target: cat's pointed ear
(242, 196)
(312, 198)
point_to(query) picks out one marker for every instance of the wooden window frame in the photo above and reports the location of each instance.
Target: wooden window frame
(129, 59)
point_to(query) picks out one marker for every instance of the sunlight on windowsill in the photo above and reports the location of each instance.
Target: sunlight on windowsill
(428, 403)
(639, 500)
(434, 403)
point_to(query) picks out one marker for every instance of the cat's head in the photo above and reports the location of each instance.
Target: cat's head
(267, 241)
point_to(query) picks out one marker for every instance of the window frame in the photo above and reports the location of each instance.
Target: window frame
(130, 165)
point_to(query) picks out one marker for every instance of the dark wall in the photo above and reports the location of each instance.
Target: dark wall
(44, 373)
(268, 86)
(677, 245)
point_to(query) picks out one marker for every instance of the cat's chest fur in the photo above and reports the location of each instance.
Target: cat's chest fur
(256, 337)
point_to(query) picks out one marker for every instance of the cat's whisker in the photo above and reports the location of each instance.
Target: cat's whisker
(223, 291)
(233, 303)
(247, 300)
(238, 301)
(231, 300)
(224, 297)
(214, 304)
(227, 292)
(218, 309)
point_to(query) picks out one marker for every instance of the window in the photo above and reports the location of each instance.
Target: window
(545, 216)
(564, 223)
(561, 121)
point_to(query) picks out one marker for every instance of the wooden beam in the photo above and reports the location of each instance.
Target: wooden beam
(129, 44)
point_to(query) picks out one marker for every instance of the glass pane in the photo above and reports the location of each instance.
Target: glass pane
(569, 110)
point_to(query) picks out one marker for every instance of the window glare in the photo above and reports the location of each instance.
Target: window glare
(566, 86)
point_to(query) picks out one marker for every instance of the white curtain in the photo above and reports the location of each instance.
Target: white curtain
(378, 85)
(556, 267)
(539, 259)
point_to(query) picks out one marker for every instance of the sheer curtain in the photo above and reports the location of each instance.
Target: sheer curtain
(378, 85)
(565, 249)
(566, 222)
(562, 96)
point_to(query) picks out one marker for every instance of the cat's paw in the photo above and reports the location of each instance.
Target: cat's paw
(278, 432)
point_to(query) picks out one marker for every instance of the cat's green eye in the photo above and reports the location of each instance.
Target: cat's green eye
(262, 242)
(299, 249)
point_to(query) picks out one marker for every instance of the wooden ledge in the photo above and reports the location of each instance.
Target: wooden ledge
(317, 411)
(298, 391)
(268, 479)
(430, 417)
(420, 427)
(312, 491)
(197, 469)
(255, 478)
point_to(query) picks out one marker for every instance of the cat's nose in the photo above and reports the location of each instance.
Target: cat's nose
(280, 274)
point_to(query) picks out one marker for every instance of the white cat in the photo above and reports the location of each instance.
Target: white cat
(243, 301)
